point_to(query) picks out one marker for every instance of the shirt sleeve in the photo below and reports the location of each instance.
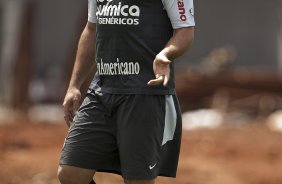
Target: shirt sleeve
(180, 12)
(92, 8)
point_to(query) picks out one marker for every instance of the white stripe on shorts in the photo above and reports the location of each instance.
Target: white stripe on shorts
(170, 120)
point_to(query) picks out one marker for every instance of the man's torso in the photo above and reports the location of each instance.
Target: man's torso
(130, 33)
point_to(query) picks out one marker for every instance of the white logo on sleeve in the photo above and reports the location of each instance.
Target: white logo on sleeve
(182, 10)
(152, 166)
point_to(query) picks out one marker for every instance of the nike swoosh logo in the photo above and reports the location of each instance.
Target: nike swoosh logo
(152, 167)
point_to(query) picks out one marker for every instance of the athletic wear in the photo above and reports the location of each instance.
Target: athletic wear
(125, 126)
(136, 135)
(130, 33)
(180, 12)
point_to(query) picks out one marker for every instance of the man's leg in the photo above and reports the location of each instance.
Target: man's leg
(74, 175)
(139, 181)
(89, 144)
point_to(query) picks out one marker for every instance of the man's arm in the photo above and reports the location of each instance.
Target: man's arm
(180, 42)
(83, 66)
(84, 61)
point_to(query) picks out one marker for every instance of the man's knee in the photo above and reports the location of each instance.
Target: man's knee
(62, 175)
(65, 175)
(73, 175)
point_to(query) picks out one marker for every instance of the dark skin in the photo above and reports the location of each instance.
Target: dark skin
(85, 65)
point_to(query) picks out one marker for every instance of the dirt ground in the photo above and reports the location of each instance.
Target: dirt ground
(251, 155)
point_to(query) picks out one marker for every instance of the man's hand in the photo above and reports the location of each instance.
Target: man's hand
(178, 44)
(71, 104)
(161, 70)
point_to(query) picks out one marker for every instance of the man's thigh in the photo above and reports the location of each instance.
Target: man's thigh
(90, 142)
(148, 136)
(140, 123)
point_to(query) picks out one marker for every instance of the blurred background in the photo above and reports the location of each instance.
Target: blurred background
(229, 86)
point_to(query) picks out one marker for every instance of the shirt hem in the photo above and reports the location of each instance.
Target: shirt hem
(136, 91)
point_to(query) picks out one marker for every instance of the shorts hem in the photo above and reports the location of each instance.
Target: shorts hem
(96, 168)
(113, 171)
(149, 177)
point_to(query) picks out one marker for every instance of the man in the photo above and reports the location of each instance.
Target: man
(129, 122)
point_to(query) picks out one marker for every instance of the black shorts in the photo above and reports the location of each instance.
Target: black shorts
(137, 136)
